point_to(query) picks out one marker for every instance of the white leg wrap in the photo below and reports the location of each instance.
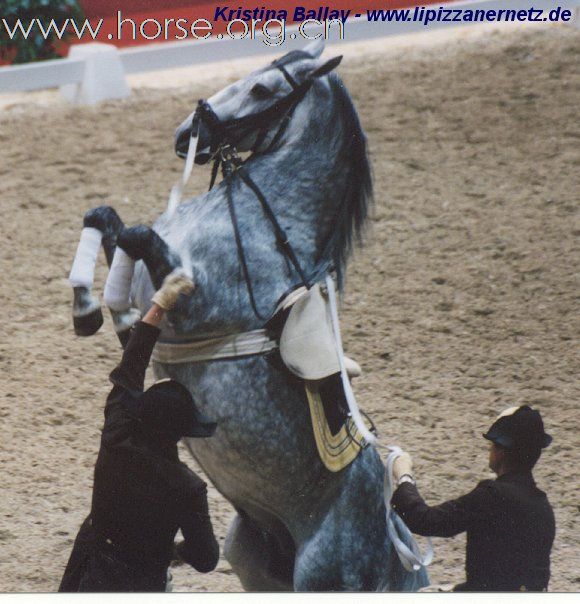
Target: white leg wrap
(118, 286)
(82, 272)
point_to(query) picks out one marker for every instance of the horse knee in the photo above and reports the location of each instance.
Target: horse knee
(103, 218)
(106, 220)
(136, 241)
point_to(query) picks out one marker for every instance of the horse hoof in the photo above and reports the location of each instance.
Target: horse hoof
(88, 325)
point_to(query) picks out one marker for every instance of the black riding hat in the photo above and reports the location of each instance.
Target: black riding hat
(168, 407)
(519, 428)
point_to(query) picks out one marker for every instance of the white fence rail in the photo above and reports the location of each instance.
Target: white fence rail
(94, 72)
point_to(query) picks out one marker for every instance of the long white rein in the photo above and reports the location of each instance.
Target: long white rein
(411, 557)
(177, 190)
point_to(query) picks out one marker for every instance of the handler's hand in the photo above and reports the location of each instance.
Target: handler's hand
(403, 465)
(176, 283)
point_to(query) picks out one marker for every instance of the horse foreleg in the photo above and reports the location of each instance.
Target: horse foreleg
(143, 243)
(101, 226)
(136, 243)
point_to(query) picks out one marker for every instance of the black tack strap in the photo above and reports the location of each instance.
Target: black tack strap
(214, 172)
(288, 77)
(241, 253)
(281, 237)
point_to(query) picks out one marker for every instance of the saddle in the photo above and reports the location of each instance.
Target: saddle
(308, 350)
(307, 342)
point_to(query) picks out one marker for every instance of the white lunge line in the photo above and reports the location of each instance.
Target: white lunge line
(350, 399)
(411, 557)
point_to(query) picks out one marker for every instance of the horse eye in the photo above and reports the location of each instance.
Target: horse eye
(260, 91)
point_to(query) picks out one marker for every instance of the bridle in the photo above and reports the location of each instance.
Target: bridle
(225, 135)
(231, 132)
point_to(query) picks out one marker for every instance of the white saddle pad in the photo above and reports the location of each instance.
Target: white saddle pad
(307, 344)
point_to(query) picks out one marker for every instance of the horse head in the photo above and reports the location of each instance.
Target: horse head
(296, 101)
(249, 112)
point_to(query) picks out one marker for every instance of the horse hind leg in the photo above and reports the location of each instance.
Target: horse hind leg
(101, 226)
(261, 560)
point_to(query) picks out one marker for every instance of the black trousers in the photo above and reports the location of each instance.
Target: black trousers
(94, 566)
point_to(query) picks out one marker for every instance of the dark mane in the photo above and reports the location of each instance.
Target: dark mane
(353, 209)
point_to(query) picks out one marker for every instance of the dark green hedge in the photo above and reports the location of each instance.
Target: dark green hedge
(35, 48)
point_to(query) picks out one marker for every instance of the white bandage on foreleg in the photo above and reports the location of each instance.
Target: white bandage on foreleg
(82, 272)
(118, 286)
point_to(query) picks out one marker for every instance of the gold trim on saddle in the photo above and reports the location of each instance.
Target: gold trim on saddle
(336, 451)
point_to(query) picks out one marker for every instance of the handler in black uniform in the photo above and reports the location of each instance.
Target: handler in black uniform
(509, 521)
(142, 493)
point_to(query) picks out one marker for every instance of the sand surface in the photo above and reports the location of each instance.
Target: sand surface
(463, 301)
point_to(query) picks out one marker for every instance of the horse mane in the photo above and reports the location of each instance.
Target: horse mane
(348, 226)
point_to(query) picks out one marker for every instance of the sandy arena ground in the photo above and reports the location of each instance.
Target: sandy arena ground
(464, 300)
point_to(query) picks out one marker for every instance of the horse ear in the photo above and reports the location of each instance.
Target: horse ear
(326, 67)
(315, 49)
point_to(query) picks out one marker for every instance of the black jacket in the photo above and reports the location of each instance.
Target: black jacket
(510, 530)
(142, 495)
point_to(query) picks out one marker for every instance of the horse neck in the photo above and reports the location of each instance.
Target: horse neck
(305, 177)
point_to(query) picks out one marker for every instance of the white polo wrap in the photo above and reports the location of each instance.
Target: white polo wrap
(82, 273)
(118, 286)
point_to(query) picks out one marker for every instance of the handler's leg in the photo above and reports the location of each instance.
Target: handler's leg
(259, 559)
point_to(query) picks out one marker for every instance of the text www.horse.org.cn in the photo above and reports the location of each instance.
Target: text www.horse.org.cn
(267, 25)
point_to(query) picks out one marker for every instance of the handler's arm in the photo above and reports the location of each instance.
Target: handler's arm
(200, 548)
(444, 520)
(130, 373)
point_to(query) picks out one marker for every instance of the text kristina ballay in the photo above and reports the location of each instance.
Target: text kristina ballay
(262, 13)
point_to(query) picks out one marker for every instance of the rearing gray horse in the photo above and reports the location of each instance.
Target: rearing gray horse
(298, 525)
